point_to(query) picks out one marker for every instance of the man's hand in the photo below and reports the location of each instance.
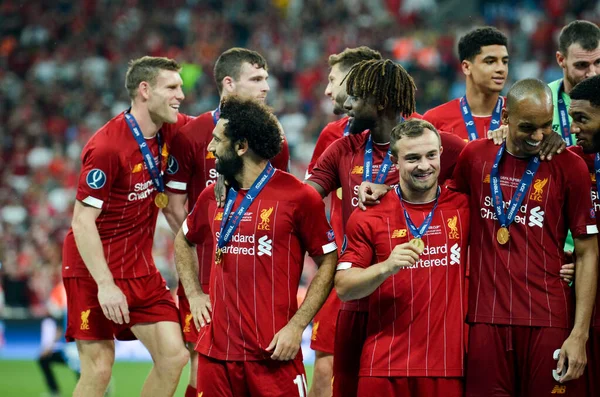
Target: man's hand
(201, 309)
(286, 343)
(369, 193)
(113, 302)
(567, 271)
(498, 135)
(402, 255)
(572, 354)
(220, 191)
(551, 144)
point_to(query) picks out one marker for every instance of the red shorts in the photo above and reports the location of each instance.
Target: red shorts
(369, 386)
(516, 361)
(323, 332)
(267, 378)
(190, 333)
(593, 362)
(148, 298)
(350, 336)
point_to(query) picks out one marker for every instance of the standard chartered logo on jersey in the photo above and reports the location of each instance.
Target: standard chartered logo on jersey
(596, 201)
(242, 244)
(438, 256)
(141, 191)
(526, 215)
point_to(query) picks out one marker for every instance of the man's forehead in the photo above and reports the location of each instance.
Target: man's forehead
(252, 70)
(576, 52)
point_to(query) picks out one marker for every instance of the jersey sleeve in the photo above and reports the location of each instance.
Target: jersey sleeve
(100, 168)
(314, 229)
(452, 148)
(325, 139)
(359, 249)
(462, 169)
(326, 170)
(196, 226)
(180, 166)
(282, 160)
(580, 210)
(431, 116)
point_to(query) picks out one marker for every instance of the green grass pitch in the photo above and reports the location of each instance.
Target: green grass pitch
(24, 378)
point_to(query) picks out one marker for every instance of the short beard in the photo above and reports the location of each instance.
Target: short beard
(338, 105)
(230, 165)
(358, 126)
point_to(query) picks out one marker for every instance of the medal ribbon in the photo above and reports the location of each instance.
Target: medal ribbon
(154, 169)
(563, 116)
(421, 230)
(520, 193)
(216, 115)
(347, 128)
(470, 123)
(228, 226)
(368, 164)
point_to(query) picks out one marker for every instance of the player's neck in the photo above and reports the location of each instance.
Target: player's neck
(416, 196)
(148, 126)
(567, 87)
(250, 173)
(514, 150)
(482, 103)
(382, 131)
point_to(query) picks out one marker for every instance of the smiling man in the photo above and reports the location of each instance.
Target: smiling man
(484, 61)
(521, 315)
(114, 289)
(585, 113)
(416, 292)
(578, 56)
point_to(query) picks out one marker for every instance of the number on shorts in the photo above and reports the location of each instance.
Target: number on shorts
(555, 373)
(300, 381)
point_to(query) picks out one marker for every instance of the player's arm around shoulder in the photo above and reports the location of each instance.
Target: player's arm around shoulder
(324, 177)
(357, 277)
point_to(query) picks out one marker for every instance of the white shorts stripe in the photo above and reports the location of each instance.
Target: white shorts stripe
(344, 265)
(185, 227)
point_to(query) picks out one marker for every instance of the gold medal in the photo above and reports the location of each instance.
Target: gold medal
(338, 192)
(502, 236)
(161, 200)
(417, 242)
(219, 256)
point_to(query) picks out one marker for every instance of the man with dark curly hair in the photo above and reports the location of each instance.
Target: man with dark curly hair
(251, 326)
(237, 71)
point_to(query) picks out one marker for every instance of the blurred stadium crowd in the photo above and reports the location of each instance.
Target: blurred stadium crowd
(61, 77)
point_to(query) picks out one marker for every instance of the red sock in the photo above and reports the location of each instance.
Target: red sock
(190, 392)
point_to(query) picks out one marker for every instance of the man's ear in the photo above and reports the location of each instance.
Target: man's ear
(241, 147)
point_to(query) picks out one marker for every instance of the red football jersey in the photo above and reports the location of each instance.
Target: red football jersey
(519, 283)
(114, 179)
(341, 166)
(589, 161)
(416, 317)
(192, 168)
(253, 291)
(448, 117)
